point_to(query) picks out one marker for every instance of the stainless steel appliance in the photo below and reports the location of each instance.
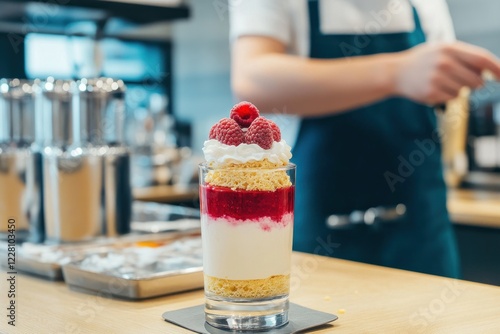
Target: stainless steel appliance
(19, 195)
(483, 139)
(86, 166)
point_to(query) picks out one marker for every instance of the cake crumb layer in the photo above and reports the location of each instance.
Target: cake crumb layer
(277, 285)
(254, 175)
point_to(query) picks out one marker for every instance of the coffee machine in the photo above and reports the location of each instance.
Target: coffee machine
(483, 138)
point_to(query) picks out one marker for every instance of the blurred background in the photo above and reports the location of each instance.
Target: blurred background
(174, 58)
(180, 67)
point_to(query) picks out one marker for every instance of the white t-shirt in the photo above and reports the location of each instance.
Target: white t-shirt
(288, 22)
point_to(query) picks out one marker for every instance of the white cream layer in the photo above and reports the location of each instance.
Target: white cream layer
(246, 251)
(217, 154)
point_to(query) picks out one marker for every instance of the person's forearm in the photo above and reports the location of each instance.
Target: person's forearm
(313, 87)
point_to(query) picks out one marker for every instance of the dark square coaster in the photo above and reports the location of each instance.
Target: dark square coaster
(301, 318)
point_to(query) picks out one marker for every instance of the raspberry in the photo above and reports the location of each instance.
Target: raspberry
(260, 133)
(244, 113)
(228, 132)
(276, 130)
(213, 132)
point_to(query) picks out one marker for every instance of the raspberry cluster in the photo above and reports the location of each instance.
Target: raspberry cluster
(245, 125)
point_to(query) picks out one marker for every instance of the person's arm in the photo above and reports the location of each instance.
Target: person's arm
(430, 73)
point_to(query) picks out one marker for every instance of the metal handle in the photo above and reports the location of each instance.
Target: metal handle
(371, 216)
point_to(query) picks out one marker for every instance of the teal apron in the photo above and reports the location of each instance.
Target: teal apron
(381, 155)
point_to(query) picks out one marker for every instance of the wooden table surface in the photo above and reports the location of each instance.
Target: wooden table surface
(474, 207)
(367, 299)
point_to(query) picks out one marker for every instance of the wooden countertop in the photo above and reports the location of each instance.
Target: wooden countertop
(367, 299)
(474, 207)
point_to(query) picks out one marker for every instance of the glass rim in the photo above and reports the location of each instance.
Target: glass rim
(289, 166)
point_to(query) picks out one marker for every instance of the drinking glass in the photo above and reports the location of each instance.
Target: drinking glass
(247, 226)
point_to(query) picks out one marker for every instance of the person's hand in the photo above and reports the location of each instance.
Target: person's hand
(435, 73)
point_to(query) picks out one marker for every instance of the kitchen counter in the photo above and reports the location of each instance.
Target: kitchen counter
(476, 215)
(474, 207)
(367, 299)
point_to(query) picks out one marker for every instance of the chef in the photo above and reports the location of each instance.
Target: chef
(353, 84)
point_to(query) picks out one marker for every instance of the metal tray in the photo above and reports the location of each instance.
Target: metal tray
(46, 261)
(132, 280)
(150, 221)
(156, 285)
(49, 270)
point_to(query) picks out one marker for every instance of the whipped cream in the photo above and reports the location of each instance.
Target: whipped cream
(218, 154)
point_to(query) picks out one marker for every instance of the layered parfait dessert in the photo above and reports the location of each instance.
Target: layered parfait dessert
(247, 198)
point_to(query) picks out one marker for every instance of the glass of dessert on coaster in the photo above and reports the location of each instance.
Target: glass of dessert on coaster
(247, 187)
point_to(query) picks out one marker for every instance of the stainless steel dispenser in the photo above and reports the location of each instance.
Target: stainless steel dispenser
(86, 170)
(17, 134)
(72, 174)
(101, 108)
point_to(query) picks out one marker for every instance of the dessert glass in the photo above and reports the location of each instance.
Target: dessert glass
(247, 226)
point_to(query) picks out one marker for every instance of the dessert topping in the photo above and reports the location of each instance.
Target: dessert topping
(246, 127)
(260, 133)
(244, 113)
(228, 132)
(276, 130)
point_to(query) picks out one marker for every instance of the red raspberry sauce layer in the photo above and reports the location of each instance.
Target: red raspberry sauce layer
(223, 202)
